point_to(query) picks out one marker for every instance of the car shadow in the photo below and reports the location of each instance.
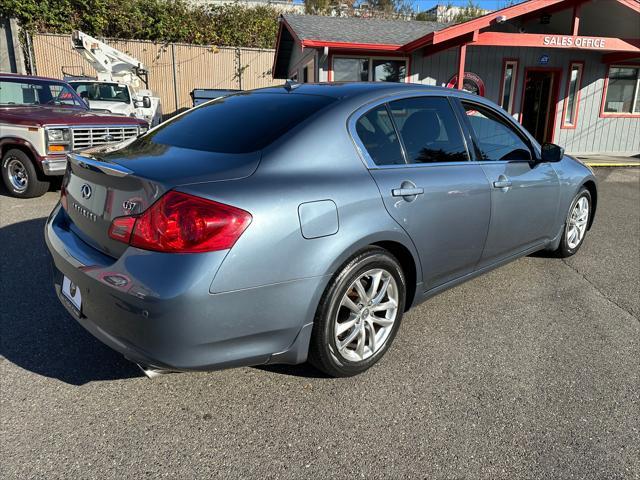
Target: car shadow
(303, 370)
(36, 332)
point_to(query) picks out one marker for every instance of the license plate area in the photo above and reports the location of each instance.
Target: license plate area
(72, 293)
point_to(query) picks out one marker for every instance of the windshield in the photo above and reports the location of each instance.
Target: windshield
(22, 91)
(102, 92)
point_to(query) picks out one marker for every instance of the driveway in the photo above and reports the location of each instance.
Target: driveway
(531, 371)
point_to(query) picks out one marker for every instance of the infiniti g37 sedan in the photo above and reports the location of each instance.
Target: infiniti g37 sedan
(299, 223)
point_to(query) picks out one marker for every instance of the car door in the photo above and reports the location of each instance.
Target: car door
(524, 194)
(417, 154)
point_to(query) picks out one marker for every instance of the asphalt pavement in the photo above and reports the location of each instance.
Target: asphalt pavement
(529, 372)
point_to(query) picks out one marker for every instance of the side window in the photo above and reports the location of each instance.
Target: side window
(376, 132)
(496, 139)
(62, 95)
(429, 130)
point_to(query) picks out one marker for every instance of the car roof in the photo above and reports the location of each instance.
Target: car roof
(19, 76)
(344, 90)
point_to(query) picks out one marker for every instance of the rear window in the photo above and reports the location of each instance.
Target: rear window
(240, 123)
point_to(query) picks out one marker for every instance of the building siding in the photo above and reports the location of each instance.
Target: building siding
(592, 133)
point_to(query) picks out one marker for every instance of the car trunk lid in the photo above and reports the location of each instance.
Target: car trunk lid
(101, 185)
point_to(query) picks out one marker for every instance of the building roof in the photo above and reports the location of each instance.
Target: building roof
(358, 30)
(404, 37)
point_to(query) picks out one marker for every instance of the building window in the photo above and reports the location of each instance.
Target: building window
(369, 69)
(622, 96)
(572, 97)
(508, 87)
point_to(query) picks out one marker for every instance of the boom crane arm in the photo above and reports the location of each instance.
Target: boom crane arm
(111, 64)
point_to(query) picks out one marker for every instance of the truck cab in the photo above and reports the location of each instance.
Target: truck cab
(41, 121)
(118, 99)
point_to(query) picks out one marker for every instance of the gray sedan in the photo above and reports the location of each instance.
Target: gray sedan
(300, 222)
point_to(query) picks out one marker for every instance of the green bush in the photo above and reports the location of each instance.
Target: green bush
(157, 20)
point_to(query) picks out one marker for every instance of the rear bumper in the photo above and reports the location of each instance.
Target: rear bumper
(54, 164)
(156, 308)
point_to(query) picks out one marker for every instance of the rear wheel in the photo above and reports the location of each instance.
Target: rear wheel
(20, 176)
(359, 314)
(576, 224)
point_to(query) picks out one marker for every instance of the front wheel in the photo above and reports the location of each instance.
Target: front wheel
(359, 314)
(576, 225)
(20, 176)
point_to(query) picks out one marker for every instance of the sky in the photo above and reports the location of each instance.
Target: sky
(420, 5)
(488, 4)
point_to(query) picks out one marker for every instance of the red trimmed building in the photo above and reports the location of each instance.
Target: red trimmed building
(568, 70)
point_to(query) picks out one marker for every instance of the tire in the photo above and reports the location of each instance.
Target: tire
(372, 331)
(576, 223)
(20, 176)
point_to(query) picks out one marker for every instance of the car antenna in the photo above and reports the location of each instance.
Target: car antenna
(290, 85)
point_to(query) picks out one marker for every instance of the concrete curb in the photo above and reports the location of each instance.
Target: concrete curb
(612, 164)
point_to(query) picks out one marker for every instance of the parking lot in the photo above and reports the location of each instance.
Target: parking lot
(531, 371)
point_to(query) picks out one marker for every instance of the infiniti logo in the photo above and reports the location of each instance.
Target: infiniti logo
(86, 191)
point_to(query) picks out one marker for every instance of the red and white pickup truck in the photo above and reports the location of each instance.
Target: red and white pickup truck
(41, 120)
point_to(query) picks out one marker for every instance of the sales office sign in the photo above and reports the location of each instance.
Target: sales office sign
(566, 41)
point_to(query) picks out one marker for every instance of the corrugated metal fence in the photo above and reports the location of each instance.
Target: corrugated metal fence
(174, 69)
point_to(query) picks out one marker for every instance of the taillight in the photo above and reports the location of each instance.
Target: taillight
(182, 223)
(63, 197)
(121, 228)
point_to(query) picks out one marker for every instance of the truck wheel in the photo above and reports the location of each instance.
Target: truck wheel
(20, 176)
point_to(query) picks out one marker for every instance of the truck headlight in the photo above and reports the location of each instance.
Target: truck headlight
(58, 135)
(58, 140)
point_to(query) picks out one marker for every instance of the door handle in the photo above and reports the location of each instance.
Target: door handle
(503, 182)
(407, 192)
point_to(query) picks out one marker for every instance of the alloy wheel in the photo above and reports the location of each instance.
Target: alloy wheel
(577, 225)
(366, 315)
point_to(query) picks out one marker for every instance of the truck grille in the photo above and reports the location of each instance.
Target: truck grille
(94, 136)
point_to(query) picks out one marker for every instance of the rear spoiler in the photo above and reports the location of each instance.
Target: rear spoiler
(112, 169)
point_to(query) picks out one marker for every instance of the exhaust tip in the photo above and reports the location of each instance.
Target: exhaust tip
(152, 372)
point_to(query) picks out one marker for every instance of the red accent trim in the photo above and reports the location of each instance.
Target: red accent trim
(576, 104)
(632, 4)
(537, 40)
(384, 47)
(479, 23)
(576, 20)
(604, 95)
(554, 95)
(291, 30)
(432, 50)
(513, 82)
(521, 9)
(275, 56)
(462, 57)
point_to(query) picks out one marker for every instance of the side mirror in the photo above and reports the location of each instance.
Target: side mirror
(146, 102)
(552, 152)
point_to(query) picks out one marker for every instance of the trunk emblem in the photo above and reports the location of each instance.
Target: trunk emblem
(86, 191)
(129, 206)
(85, 212)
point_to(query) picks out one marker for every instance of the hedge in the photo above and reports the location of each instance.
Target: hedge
(156, 20)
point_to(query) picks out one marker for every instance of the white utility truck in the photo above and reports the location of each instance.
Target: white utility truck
(121, 85)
